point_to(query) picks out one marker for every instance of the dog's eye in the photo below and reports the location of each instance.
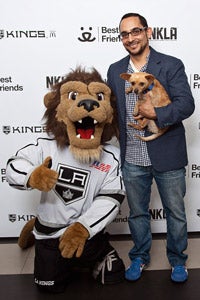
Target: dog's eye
(100, 96)
(142, 83)
(72, 95)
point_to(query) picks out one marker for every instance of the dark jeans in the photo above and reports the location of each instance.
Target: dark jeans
(171, 187)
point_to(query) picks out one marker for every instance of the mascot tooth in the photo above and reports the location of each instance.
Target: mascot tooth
(79, 176)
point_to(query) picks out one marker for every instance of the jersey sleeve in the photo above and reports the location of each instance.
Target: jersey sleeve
(21, 165)
(106, 204)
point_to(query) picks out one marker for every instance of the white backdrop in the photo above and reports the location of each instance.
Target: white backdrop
(41, 41)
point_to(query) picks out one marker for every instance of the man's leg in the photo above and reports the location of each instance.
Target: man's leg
(138, 181)
(172, 187)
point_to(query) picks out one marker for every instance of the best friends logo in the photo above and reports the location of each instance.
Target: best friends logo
(104, 34)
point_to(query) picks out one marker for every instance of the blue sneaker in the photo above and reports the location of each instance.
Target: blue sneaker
(179, 274)
(134, 271)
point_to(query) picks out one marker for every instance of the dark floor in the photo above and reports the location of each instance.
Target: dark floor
(154, 285)
(16, 275)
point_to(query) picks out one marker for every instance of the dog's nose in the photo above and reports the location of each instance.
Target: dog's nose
(88, 104)
(136, 91)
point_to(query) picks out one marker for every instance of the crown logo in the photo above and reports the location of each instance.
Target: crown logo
(67, 194)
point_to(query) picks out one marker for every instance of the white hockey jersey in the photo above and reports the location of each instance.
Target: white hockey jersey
(87, 193)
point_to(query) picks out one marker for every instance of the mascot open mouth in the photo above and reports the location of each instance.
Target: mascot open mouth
(85, 128)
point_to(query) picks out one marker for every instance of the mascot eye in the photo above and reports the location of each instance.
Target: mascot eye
(100, 96)
(73, 95)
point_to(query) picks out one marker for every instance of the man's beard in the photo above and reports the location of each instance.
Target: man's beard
(139, 52)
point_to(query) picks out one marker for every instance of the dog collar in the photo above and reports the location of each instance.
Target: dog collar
(149, 88)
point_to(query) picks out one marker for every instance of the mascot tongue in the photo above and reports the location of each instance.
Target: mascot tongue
(85, 133)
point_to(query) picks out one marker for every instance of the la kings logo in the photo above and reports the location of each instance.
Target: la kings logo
(72, 183)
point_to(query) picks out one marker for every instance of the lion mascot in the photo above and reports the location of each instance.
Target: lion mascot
(78, 174)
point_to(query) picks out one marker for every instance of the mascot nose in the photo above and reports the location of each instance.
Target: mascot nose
(88, 104)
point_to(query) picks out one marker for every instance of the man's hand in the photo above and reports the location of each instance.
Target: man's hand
(43, 178)
(73, 240)
(146, 109)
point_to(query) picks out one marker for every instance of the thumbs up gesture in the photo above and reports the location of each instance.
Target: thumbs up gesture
(43, 178)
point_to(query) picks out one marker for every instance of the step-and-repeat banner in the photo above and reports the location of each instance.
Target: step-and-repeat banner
(41, 41)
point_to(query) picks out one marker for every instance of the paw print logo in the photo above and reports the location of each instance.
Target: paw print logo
(86, 36)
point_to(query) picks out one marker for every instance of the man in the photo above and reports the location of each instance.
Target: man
(163, 159)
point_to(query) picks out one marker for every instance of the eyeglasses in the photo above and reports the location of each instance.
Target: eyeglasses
(134, 32)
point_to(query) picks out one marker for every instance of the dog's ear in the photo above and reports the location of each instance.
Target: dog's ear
(125, 76)
(150, 78)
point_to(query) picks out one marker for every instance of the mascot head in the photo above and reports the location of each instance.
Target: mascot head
(80, 113)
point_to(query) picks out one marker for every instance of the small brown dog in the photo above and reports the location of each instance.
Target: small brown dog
(142, 83)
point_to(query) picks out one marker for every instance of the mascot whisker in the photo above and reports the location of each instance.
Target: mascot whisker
(78, 174)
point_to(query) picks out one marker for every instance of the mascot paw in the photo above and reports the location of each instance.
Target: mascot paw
(73, 240)
(43, 178)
